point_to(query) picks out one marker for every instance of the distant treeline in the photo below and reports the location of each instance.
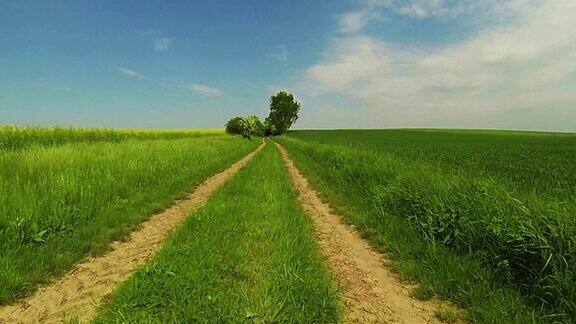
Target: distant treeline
(16, 138)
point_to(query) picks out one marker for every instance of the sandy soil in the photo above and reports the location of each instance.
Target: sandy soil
(372, 293)
(78, 294)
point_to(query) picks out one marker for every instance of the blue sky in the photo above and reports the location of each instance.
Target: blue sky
(352, 63)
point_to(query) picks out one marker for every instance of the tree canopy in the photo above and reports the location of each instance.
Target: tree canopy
(283, 113)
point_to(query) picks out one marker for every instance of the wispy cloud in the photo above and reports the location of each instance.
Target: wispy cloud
(162, 44)
(426, 8)
(205, 90)
(158, 41)
(354, 21)
(281, 53)
(165, 82)
(129, 72)
(374, 10)
(526, 63)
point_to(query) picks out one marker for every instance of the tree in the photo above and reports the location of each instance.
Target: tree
(269, 129)
(283, 112)
(236, 126)
(253, 125)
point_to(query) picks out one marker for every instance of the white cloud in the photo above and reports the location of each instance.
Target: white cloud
(375, 10)
(526, 63)
(165, 82)
(281, 54)
(129, 72)
(161, 44)
(355, 21)
(157, 39)
(434, 8)
(205, 90)
(427, 8)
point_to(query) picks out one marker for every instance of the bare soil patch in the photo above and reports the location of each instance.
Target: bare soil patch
(372, 293)
(78, 294)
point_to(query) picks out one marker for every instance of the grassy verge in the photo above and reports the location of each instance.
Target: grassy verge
(59, 204)
(443, 231)
(16, 138)
(248, 255)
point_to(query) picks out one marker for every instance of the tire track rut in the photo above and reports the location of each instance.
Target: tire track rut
(78, 294)
(371, 292)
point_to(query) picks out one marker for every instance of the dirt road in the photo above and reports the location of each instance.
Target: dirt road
(371, 292)
(78, 294)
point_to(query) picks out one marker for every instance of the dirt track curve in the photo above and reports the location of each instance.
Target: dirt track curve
(78, 294)
(371, 292)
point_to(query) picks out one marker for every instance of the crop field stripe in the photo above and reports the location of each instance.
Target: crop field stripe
(19, 138)
(248, 255)
(371, 292)
(78, 293)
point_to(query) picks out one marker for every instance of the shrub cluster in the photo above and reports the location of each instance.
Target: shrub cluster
(247, 127)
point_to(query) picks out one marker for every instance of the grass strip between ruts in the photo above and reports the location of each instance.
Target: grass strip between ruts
(249, 254)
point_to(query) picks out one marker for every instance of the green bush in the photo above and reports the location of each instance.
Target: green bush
(247, 126)
(236, 126)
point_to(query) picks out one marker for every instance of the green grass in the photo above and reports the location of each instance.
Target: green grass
(531, 162)
(17, 138)
(447, 314)
(463, 212)
(248, 255)
(59, 204)
(485, 219)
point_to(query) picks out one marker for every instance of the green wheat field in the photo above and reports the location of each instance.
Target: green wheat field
(483, 219)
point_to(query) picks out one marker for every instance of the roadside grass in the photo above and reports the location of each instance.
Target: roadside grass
(58, 205)
(17, 138)
(461, 239)
(248, 255)
(447, 314)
